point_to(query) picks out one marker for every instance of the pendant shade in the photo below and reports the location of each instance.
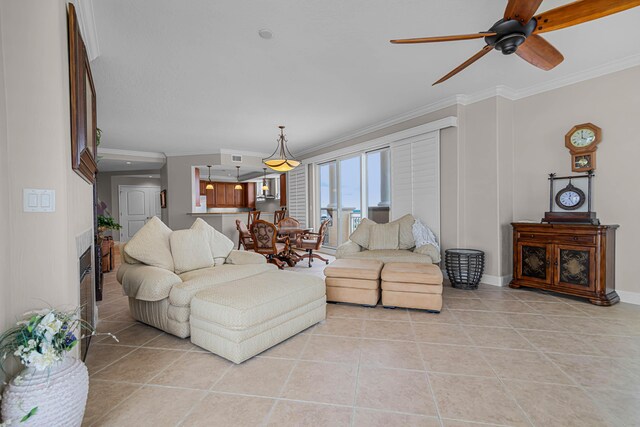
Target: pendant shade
(281, 160)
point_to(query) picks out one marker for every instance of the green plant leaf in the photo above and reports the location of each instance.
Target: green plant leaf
(31, 413)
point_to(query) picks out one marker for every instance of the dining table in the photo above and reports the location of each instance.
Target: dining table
(293, 233)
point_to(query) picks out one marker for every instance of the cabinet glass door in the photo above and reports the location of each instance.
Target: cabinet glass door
(534, 262)
(575, 266)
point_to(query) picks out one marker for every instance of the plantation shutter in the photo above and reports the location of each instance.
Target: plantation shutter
(297, 194)
(415, 179)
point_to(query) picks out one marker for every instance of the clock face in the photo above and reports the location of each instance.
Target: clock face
(583, 137)
(570, 198)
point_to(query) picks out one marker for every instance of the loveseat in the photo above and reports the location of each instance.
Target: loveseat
(164, 270)
(391, 242)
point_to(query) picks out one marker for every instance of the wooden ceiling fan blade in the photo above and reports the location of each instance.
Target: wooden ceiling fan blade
(539, 52)
(521, 10)
(443, 38)
(465, 64)
(580, 11)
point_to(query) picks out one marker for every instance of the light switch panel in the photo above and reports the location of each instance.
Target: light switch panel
(37, 200)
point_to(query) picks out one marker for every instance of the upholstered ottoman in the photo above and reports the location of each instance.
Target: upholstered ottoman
(353, 280)
(239, 319)
(412, 286)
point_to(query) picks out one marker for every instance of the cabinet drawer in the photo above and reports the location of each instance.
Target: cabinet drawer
(559, 238)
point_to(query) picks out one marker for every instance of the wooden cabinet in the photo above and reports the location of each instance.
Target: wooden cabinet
(250, 195)
(224, 195)
(573, 259)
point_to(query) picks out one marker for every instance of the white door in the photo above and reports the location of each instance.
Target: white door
(137, 206)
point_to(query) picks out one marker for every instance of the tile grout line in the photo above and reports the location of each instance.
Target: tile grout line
(504, 387)
(575, 382)
(426, 373)
(286, 381)
(206, 393)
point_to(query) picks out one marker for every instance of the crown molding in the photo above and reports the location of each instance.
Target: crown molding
(499, 90)
(588, 74)
(88, 27)
(130, 153)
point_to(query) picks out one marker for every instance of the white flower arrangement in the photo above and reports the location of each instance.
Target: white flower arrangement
(43, 339)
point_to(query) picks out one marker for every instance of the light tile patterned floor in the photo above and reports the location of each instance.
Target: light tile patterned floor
(494, 356)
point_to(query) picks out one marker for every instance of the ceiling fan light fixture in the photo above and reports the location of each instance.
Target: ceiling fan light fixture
(281, 160)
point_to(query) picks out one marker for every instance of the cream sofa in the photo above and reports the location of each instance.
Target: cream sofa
(392, 242)
(163, 271)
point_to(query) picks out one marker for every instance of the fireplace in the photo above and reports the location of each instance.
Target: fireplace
(87, 297)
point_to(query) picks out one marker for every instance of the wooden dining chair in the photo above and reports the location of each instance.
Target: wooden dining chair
(265, 241)
(310, 242)
(289, 222)
(279, 215)
(253, 216)
(244, 236)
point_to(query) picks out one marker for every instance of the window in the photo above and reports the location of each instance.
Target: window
(378, 185)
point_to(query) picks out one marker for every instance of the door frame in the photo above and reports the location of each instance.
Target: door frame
(120, 204)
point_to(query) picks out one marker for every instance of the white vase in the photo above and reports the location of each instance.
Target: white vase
(60, 394)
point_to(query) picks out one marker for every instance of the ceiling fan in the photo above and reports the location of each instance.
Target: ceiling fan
(519, 30)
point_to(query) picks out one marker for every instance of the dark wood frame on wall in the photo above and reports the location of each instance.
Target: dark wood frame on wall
(83, 104)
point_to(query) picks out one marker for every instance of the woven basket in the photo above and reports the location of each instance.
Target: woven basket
(59, 393)
(464, 267)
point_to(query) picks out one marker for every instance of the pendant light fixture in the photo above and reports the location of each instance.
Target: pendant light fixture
(265, 187)
(209, 183)
(238, 185)
(281, 159)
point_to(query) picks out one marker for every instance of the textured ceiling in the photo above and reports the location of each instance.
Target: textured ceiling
(194, 76)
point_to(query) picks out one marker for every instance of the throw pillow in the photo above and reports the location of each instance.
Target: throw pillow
(405, 235)
(384, 236)
(150, 245)
(361, 234)
(190, 250)
(219, 244)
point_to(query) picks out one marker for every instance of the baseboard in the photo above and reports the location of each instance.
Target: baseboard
(488, 279)
(629, 297)
(501, 281)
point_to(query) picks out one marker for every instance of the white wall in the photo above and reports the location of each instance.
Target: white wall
(43, 260)
(611, 102)
(6, 317)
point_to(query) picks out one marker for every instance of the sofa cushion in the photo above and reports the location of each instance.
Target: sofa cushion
(220, 244)
(150, 245)
(354, 269)
(360, 235)
(146, 282)
(384, 236)
(197, 280)
(427, 274)
(126, 258)
(405, 232)
(245, 303)
(389, 255)
(190, 250)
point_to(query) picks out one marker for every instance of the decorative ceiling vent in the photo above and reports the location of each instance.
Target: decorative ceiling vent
(235, 158)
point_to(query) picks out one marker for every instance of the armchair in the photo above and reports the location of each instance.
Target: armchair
(279, 216)
(244, 238)
(312, 242)
(266, 242)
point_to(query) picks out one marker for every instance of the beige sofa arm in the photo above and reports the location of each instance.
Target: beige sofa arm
(347, 248)
(147, 283)
(430, 250)
(245, 258)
